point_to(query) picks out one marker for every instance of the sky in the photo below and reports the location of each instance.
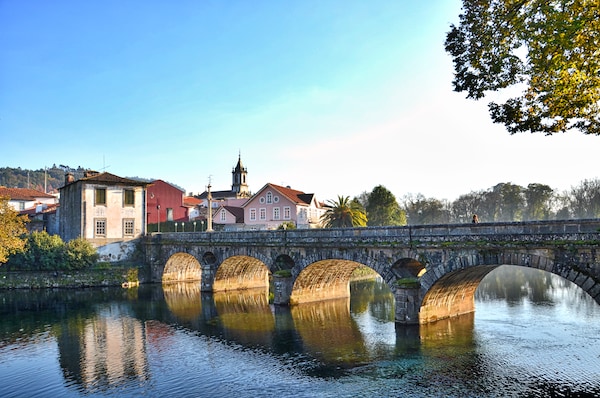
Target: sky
(328, 97)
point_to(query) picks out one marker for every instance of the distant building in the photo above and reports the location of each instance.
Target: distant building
(165, 203)
(275, 205)
(39, 207)
(102, 208)
(239, 189)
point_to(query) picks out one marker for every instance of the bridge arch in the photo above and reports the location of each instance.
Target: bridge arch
(241, 272)
(323, 280)
(448, 289)
(182, 267)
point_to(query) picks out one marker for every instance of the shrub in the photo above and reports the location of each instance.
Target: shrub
(79, 254)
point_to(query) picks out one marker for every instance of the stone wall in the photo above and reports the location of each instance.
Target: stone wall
(64, 279)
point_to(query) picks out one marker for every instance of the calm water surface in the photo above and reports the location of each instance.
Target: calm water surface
(533, 335)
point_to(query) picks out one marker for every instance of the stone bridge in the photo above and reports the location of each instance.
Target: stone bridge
(433, 270)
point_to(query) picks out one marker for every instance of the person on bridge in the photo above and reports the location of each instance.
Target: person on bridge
(475, 219)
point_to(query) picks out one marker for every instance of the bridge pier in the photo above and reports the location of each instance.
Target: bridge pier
(407, 305)
(282, 286)
(208, 278)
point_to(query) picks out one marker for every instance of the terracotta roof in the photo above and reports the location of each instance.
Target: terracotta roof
(191, 201)
(293, 194)
(23, 193)
(111, 179)
(51, 208)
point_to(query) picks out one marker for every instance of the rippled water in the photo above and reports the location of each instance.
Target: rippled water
(532, 335)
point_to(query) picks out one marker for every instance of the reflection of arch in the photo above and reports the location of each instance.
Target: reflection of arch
(183, 299)
(241, 272)
(408, 268)
(323, 280)
(182, 267)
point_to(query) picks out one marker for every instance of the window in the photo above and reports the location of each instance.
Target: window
(128, 197)
(21, 206)
(169, 214)
(261, 200)
(275, 213)
(100, 227)
(275, 199)
(269, 197)
(263, 213)
(286, 213)
(100, 196)
(223, 215)
(252, 214)
(128, 226)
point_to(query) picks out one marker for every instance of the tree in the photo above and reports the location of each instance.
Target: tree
(12, 229)
(549, 48)
(344, 213)
(421, 210)
(383, 209)
(539, 202)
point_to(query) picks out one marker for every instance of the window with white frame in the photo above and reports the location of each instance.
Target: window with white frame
(223, 215)
(276, 213)
(100, 227)
(263, 213)
(128, 226)
(269, 197)
(252, 214)
(287, 213)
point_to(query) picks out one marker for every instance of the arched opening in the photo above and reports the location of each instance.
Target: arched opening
(182, 267)
(241, 272)
(328, 279)
(453, 294)
(283, 262)
(408, 268)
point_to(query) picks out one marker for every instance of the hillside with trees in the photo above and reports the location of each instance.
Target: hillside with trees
(44, 180)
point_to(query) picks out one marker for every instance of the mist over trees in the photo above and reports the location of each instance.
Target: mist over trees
(507, 202)
(504, 202)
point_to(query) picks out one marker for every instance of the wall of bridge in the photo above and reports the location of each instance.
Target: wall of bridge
(456, 258)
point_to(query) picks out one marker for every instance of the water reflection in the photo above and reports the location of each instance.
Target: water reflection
(103, 351)
(112, 340)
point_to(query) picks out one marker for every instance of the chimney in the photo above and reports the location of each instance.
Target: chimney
(69, 178)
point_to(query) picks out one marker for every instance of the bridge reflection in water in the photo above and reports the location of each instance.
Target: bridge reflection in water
(341, 332)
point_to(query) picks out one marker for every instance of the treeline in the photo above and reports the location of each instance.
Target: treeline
(507, 202)
(44, 180)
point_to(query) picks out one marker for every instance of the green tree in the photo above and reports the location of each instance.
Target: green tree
(12, 229)
(79, 253)
(383, 209)
(344, 213)
(421, 210)
(584, 199)
(549, 48)
(538, 199)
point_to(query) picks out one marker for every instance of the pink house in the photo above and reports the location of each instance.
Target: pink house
(274, 205)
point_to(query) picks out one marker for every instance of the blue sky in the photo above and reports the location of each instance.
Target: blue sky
(328, 97)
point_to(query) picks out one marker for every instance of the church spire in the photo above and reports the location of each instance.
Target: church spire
(239, 184)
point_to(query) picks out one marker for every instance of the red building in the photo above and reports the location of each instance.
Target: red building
(165, 203)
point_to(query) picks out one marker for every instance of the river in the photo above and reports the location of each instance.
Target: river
(533, 334)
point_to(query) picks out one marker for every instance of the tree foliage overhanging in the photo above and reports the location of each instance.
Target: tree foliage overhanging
(12, 227)
(551, 48)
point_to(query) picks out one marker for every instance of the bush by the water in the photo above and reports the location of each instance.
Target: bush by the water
(45, 252)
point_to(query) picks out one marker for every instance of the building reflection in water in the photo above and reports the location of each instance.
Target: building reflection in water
(104, 350)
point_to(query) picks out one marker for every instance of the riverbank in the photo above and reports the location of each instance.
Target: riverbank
(110, 276)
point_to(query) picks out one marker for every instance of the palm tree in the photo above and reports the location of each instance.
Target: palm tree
(344, 213)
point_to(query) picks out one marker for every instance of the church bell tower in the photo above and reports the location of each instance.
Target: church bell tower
(239, 184)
